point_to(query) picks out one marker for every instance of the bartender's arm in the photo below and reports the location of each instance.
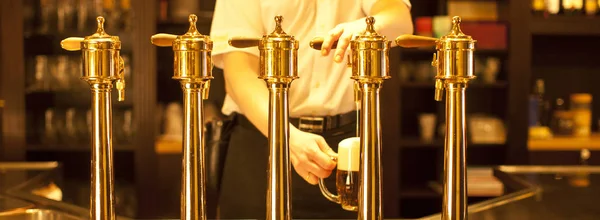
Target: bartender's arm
(392, 19)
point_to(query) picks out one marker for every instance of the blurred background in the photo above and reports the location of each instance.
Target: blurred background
(532, 103)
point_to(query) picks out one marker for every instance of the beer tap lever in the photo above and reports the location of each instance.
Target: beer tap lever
(244, 42)
(120, 83)
(72, 43)
(317, 43)
(410, 41)
(163, 40)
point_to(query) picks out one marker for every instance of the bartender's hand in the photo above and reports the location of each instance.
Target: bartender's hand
(311, 156)
(343, 34)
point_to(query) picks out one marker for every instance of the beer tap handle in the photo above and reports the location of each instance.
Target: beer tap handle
(163, 40)
(205, 90)
(71, 43)
(439, 89)
(120, 84)
(317, 42)
(244, 42)
(408, 41)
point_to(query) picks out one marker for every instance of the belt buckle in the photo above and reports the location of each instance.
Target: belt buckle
(308, 124)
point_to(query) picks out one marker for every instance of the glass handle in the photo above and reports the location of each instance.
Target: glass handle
(332, 197)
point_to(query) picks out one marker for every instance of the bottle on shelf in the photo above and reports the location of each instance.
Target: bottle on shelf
(553, 7)
(572, 7)
(538, 7)
(581, 104)
(591, 7)
(538, 106)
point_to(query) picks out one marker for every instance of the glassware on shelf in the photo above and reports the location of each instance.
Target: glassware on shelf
(111, 11)
(83, 10)
(492, 66)
(48, 16)
(127, 74)
(61, 73)
(70, 128)
(52, 126)
(88, 122)
(123, 129)
(41, 78)
(179, 10)
(66, 19)
(29, 14)
(128, 124)
(74, 72)
(125, 14)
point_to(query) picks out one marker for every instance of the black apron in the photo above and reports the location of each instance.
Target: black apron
(244, 183)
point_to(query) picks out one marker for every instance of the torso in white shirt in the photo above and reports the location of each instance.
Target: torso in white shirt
(323, 87)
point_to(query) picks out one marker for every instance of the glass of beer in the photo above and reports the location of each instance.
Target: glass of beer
(346, 175)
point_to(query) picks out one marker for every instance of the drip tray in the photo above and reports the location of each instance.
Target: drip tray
(9, 204)
(35, 214)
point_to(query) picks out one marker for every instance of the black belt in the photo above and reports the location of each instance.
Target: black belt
(320, 124)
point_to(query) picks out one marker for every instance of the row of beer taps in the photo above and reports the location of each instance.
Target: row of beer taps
(103, 67)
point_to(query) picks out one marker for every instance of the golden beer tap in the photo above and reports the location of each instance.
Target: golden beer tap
(193, 68)
(454, 63)
(278, 67)
(369, 60)
(102, 65)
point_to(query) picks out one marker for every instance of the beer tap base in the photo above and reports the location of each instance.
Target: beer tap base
(370, 206)
(454, 205)
(102, 204)
(279, 206)
(193, 193)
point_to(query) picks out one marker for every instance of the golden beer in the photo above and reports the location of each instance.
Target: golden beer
(347, 182)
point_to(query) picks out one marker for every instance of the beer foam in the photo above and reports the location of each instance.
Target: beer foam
(349, 154)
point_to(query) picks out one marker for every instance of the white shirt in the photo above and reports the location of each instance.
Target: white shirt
(323, 87)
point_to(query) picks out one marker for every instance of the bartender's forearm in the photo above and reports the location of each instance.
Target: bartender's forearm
(392, 18)
(246, 89)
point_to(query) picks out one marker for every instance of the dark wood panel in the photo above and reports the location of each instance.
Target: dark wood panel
(390, 107)
(12, 80)
(519, 76)
(566, 25)
(144, 100)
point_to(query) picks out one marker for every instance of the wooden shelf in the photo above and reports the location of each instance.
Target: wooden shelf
(565, 25)
(204, 18)
(565, 143)
(415, 142)
(69, 98)
(49, 44)
(431, 50)
(83, 147)
(431, 85)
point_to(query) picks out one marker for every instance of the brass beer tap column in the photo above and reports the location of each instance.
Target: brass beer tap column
(370, 67)
(193, 68)
(454, 63)
(278, 67)
(102, 65)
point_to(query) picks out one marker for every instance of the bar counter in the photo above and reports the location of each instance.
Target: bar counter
(531, 193)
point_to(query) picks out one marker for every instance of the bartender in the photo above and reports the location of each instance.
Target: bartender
(321, 102)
